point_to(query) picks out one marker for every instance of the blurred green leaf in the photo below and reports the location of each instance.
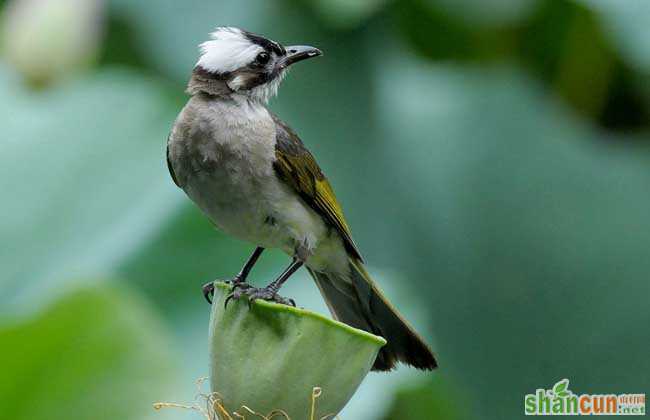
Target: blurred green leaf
(98, 353)
(487, 13)
(626, 21)
(432, 400)
(83, 180)
(347, 13)
(522, 223)
(433, 33)
(560, 388)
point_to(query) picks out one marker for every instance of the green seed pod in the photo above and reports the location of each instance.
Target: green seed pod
(270, 357)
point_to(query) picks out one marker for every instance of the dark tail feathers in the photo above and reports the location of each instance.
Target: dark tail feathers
(361, 304)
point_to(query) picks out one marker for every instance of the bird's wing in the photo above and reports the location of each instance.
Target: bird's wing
(298, 168)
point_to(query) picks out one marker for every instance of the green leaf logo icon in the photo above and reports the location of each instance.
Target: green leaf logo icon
(560, 389)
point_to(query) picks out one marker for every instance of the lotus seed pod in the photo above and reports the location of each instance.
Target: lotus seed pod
(48, 40)
(271, 357)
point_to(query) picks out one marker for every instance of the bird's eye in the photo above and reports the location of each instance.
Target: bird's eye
(262, 58)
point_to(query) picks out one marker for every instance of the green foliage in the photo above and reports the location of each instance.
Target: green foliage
(560, 388)
(626, 24)
(432, 399)
(102, 136)
(530, 231)
(99, 353)
(346, 13)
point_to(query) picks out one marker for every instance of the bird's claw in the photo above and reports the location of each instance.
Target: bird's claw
(239, 289)
(269, 295)
(208, 291)
(235, 281)
(253, 293)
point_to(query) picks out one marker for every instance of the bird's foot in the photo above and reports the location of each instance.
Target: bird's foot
(208, 288)
(236, 281)
(268, 294)
(239, 289)
(208, 291)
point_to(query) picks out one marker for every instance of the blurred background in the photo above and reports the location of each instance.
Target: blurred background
(493, 159)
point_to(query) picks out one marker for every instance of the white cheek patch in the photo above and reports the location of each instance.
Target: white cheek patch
(228, 51)
(237, 82)
(265, 92)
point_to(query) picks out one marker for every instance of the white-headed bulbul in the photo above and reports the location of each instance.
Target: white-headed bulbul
(254, 179)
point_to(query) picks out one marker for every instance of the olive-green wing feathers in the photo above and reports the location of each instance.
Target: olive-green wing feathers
(298, 168)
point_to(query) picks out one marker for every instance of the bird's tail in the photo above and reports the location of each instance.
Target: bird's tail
(358, 302)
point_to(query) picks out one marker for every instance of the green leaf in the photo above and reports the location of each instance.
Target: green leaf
(98, 353)
(493, 13)
(347, 13)
(560, 388)
(435, 399)
(83, 180)
(626, 23)
(523, 214)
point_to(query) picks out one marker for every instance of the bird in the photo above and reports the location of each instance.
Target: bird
(255, 180)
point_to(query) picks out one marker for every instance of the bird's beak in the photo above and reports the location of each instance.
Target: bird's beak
(297, 53)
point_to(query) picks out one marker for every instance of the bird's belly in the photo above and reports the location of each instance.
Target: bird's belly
(249, 206)
(267, 213)
(235, 202)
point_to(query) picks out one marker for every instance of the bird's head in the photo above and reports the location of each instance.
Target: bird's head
(238, 61)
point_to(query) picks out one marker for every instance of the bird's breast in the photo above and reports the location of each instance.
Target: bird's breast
(227, 152)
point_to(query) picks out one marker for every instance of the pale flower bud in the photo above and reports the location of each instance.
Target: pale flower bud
(49, 40)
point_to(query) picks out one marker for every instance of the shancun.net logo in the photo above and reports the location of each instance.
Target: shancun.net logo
(560, 401)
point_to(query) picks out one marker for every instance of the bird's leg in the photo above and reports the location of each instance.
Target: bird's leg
(245, 271)
(270, 292)
(239, 281)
